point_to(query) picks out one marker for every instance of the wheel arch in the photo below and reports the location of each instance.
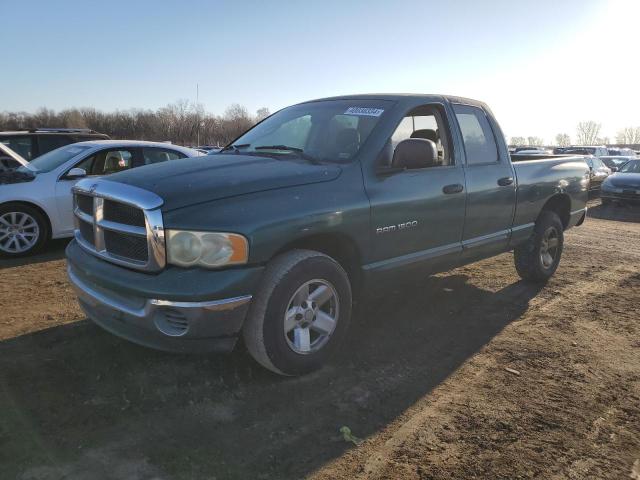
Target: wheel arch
(342, 248)
(560, 204)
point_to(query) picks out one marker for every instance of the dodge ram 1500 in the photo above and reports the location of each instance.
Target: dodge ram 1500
(273, 238)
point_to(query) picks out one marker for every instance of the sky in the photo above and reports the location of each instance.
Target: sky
(542, 66)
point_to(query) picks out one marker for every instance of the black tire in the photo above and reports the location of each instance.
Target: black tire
(264, 330)
(531, 263)
(42, 232)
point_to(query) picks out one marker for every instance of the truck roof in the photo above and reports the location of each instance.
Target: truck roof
(404, 96)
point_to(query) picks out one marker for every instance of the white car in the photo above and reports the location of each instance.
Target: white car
(36, 203)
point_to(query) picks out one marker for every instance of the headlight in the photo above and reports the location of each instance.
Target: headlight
(206, 249)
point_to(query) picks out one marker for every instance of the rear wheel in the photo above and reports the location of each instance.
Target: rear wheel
(300, 313)
(537, 259)
(23, 230)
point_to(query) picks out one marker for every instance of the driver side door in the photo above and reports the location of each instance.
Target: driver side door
(418, 214)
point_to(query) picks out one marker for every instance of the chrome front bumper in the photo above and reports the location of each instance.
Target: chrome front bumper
(184, 327)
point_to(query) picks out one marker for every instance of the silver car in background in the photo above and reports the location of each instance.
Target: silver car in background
(36, 203)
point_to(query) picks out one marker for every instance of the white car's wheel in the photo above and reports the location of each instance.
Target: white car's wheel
(23, 230)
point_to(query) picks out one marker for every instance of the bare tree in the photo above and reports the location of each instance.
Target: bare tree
(262, 113)
(588, 133)
(518, 141)
(181, 122)
(535, 141)
(563, 140)
(628, 136)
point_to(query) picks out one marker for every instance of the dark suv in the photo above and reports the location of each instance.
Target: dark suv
(30, 144)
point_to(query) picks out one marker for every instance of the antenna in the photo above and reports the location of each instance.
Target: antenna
(198, 114)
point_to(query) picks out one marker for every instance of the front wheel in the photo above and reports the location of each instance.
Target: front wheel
(23, 230)
(300, 313)
(537, 259)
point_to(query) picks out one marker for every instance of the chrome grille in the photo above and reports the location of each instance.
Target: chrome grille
(120, 223)
(126, 246)
(121, 213)
(85, 203)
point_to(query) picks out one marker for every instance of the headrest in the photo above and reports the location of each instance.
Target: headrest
(426, 133)
(415, 153)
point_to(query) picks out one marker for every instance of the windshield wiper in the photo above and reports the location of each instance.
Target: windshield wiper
(235, 147)
(287, 148)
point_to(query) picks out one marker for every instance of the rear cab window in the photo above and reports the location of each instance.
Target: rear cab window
(477, 135)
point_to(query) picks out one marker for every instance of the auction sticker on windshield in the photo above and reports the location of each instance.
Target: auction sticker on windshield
(369, 112)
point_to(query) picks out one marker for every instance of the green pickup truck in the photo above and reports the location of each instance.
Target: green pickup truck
(274, 237)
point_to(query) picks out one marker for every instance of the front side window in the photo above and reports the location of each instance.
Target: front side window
(425, 122)
(159, 155)
(107, 162)
(326, 131)
(21, 144)
(479, 142)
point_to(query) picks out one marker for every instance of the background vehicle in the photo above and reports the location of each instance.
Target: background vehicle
(598, 172)
(584, 150)
(623, 186)
(306, 210)
(10, 159)
(36, 199)
(620, 152)
(533, 151)
(30, 144)
(616, 162)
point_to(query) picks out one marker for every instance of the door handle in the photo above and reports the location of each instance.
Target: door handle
(453, 188)
(505, 181)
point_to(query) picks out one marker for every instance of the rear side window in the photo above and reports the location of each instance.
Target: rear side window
(158, 155)
(479, 142)
(51, 142)
(21, 144)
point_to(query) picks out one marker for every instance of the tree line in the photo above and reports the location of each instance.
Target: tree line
(182, 123)
(587, 133)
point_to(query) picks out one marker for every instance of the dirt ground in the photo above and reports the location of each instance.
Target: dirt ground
(468, 374)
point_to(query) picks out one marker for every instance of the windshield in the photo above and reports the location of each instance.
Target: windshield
(53, 159)
(633, 166)
(326, 131)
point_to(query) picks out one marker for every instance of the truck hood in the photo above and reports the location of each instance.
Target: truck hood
(621, 180)
(191, 181)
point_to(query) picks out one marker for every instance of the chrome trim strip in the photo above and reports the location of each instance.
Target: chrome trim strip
(214, 305)
(419, 256)
(119, 192)
(522, 227)
(83, 216)
(86, 292)
(124, 228)
(486, 239)
(580, 210)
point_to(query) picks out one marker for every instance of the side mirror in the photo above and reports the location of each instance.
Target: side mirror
(414, 153)
(75, 173)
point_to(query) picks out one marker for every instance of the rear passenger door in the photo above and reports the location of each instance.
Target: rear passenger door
(490, 183)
